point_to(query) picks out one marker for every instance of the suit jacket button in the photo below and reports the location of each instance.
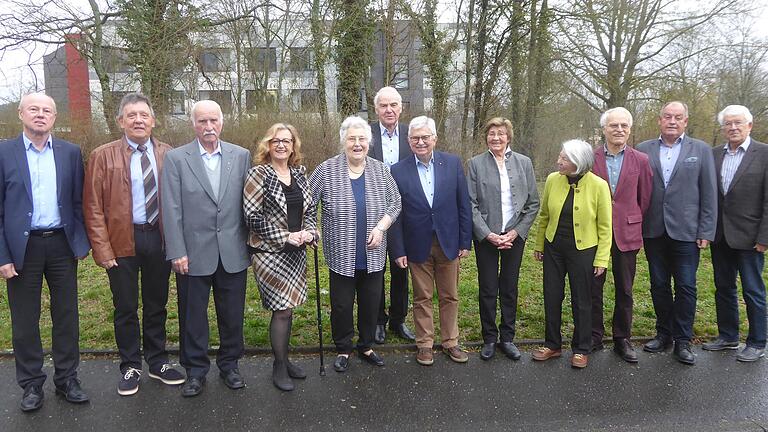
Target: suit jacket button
(576, 224)
(575, 208)
(26, 233)
(29, 214)
(578, 241)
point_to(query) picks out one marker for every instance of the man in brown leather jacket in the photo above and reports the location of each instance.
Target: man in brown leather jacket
(121, 206)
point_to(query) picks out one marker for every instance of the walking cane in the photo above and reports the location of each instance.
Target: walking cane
(319, 312)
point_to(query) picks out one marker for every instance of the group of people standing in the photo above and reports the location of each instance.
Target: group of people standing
(202, 211)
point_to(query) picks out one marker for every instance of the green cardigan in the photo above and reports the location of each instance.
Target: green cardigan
(591, 214)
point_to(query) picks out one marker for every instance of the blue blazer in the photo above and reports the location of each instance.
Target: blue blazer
(16, 199)
(450, 217)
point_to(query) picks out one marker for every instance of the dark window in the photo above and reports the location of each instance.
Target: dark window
(302, 59)
(262, 60)
(260, 100)
(305, 100)
(222, 97)
(215, 60)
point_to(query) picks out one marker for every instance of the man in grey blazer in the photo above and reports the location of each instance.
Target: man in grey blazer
(205, 240)
(680, 221)
(742, 234)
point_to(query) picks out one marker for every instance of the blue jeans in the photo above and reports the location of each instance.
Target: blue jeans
(726, 262)
(671, 259)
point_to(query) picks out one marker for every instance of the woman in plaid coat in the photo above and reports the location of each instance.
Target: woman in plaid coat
(281, 218)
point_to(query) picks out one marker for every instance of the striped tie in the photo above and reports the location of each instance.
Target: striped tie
(150, 187)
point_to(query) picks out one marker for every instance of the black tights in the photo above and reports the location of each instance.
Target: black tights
(280, 334)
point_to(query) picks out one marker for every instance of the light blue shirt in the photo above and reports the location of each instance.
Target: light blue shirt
(427, 177)
(211, 160)
(42, 175)
(668, 157)
(613, 165)
(731, 162)
(390, 145)
(137, 180)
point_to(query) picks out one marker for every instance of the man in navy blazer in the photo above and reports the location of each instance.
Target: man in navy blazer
(679, 223)
(389, 144)
(42, 235)
(433, 232)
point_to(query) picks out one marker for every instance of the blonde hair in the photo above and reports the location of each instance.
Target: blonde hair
(262, 146)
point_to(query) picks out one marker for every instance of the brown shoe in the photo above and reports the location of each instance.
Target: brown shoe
(456, 354)
(424, 357)
(579, 361)
(545, 353)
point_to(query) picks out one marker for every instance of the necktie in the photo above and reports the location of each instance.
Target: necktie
(150, 187)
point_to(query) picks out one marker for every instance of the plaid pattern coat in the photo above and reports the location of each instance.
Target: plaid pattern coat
(281, 276)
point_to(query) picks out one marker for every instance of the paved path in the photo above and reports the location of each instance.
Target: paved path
(658, 394)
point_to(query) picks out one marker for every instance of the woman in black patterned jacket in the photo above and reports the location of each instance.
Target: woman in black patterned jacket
(359, 202)
(281, 218)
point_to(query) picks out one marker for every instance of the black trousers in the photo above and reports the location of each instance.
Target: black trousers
(560, 258)
(229, 300)
(367, 286)
(624, 267)
(124, 282)
(52, 258)
(398, 295)
(502, 284)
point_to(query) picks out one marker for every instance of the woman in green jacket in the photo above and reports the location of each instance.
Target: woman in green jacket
(574, 238)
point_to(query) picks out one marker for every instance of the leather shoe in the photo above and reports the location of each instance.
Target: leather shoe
(381, 334)
(683, 353)
(402, 331)
(373, 358)
(295, 372)
(625, 350)
(657, 344)
(488, 350)
(72, 392)
(720, 344)
(341, 364)
(32, 399)
(750, 354)
(579, 361)
(193, 386)
(545, 353)
(232, 379)
(510, 350)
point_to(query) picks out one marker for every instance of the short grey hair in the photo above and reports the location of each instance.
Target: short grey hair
(685, 107)
(618, 110)
(132, 98)
(422, 122)
(353, 122)
(387, 89)
(580, 154)
(21, 101)
(734, 110)
(193, 111)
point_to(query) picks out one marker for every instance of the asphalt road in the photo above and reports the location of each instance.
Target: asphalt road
(657, 394)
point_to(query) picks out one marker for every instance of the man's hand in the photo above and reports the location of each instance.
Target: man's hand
(402, 261)
(761, 247)
(8, 271)
(181, 265)
(702, 243)
(463, 253)
(108, 264)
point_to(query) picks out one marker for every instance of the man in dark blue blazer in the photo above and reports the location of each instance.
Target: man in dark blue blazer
(433, 232)
(389, 144)
(42, 235)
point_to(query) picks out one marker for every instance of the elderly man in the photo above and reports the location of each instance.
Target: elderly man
(42, 235)
(205, 239)
(433, 232)
(123, 225)
(390, 145)
(680, 221)
(742, 234)
(629, 176)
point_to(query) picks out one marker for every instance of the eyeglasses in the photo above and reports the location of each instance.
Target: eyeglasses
(617, 126)
(735, 123)
(277, 141)
(416, 139)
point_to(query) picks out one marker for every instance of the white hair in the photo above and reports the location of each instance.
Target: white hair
(618, 110)
(734, 110)
(580, 154)
(197, 104)
(387, 89)
(354, 122)
(422, 122)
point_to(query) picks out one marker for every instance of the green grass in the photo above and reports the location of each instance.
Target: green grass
(96, 330)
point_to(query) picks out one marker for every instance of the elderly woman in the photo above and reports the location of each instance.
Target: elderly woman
(281, 217)
(359, 202)
(574, 238)
(502, 190)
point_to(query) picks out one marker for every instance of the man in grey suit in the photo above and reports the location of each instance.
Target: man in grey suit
(389, 144)
(680, 221)
(742, 234)
(205, 238)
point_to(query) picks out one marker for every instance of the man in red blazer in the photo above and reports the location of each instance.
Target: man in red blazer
(628, 173)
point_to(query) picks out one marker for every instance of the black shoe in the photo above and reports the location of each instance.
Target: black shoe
(657, 344)
(167, 374)
(232, 379)
(373, 358)
(280, 377)
(720, 344)
(625, 350)
(193, 386)
(488, 350)
(72, 392)
(381, 334)
(510, 350)
(295, 372)
(597, 346)
(32, 399)
(683, 353)
(341, 364)
(129, 382)
(403, 332)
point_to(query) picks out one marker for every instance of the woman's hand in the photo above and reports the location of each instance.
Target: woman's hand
(375, 238)
(599, 271)
(539, 256)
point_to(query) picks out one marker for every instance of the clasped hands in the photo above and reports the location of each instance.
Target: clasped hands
(502, 241)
